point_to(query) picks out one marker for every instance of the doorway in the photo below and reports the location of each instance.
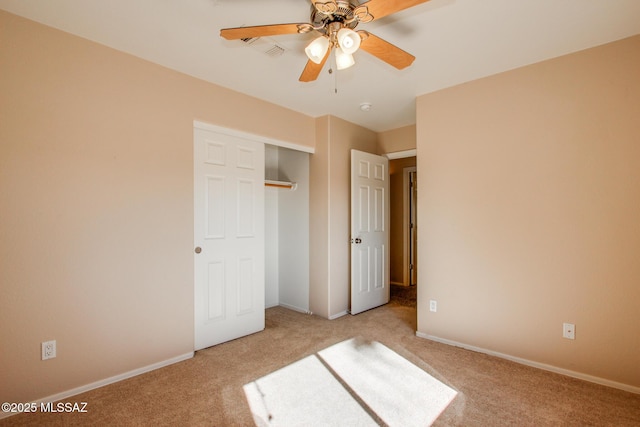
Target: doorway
(403, 242)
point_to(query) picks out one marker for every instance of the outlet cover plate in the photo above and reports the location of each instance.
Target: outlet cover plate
(569, 331)
(433, 305)
(48, 350)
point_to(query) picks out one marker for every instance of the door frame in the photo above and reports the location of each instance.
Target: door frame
(406, 277)
(406, 220)
(248, 135)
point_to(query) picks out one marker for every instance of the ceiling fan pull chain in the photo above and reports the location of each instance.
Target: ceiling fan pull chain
(335, 75)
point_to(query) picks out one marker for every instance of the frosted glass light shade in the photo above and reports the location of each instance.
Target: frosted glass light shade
(348, 40)
(343, 60)
(317, 49)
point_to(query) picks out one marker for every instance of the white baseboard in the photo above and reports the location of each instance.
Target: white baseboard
(101, 383)
(543, 366)
(335, 316)
(294, 308)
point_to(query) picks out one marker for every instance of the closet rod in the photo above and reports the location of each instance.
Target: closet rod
(281, 184)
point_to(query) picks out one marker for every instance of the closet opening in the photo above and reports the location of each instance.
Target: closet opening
(286, 228)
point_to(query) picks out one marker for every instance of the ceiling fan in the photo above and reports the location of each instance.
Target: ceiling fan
(334, 21)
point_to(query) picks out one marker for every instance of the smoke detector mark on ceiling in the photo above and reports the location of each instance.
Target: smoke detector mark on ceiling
(265, 45)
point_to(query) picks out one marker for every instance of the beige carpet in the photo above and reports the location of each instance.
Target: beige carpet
(356, 383)
(404, 295)
(208, 389)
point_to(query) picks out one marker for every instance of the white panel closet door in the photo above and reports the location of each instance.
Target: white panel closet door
(229, 237)
(369, 231)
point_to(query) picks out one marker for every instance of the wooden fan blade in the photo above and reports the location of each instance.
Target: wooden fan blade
(312, 70)
(385, 51)
(381, 8)
(261, 31)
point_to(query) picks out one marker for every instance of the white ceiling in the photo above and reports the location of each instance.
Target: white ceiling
(454, 41)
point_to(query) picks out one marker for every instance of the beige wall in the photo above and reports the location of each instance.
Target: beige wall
(397, 239)
(330, 212)
(96, 196)
(319, 221)
(529, 209)
(400, 139)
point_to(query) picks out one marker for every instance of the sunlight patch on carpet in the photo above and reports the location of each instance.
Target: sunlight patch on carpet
(351, 383)
(303, 394)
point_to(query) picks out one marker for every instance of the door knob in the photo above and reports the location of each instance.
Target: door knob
(358, 241)
(198, 249)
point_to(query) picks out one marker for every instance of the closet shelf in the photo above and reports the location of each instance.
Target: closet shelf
(280, 184)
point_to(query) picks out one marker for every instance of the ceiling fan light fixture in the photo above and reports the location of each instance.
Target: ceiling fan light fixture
(333, 23)
(317, 49)
(343, 60)
(348, 40)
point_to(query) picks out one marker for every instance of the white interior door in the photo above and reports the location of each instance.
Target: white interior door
(229, 237)
(369, 231)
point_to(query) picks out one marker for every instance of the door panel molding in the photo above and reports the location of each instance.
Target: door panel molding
(369, 231)
(229, 234)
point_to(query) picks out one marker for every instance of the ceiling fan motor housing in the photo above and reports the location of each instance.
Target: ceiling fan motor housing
(324, 14)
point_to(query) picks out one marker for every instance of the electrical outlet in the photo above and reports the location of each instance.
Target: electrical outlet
(48, 350)
(569, 331)
(433, 305)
